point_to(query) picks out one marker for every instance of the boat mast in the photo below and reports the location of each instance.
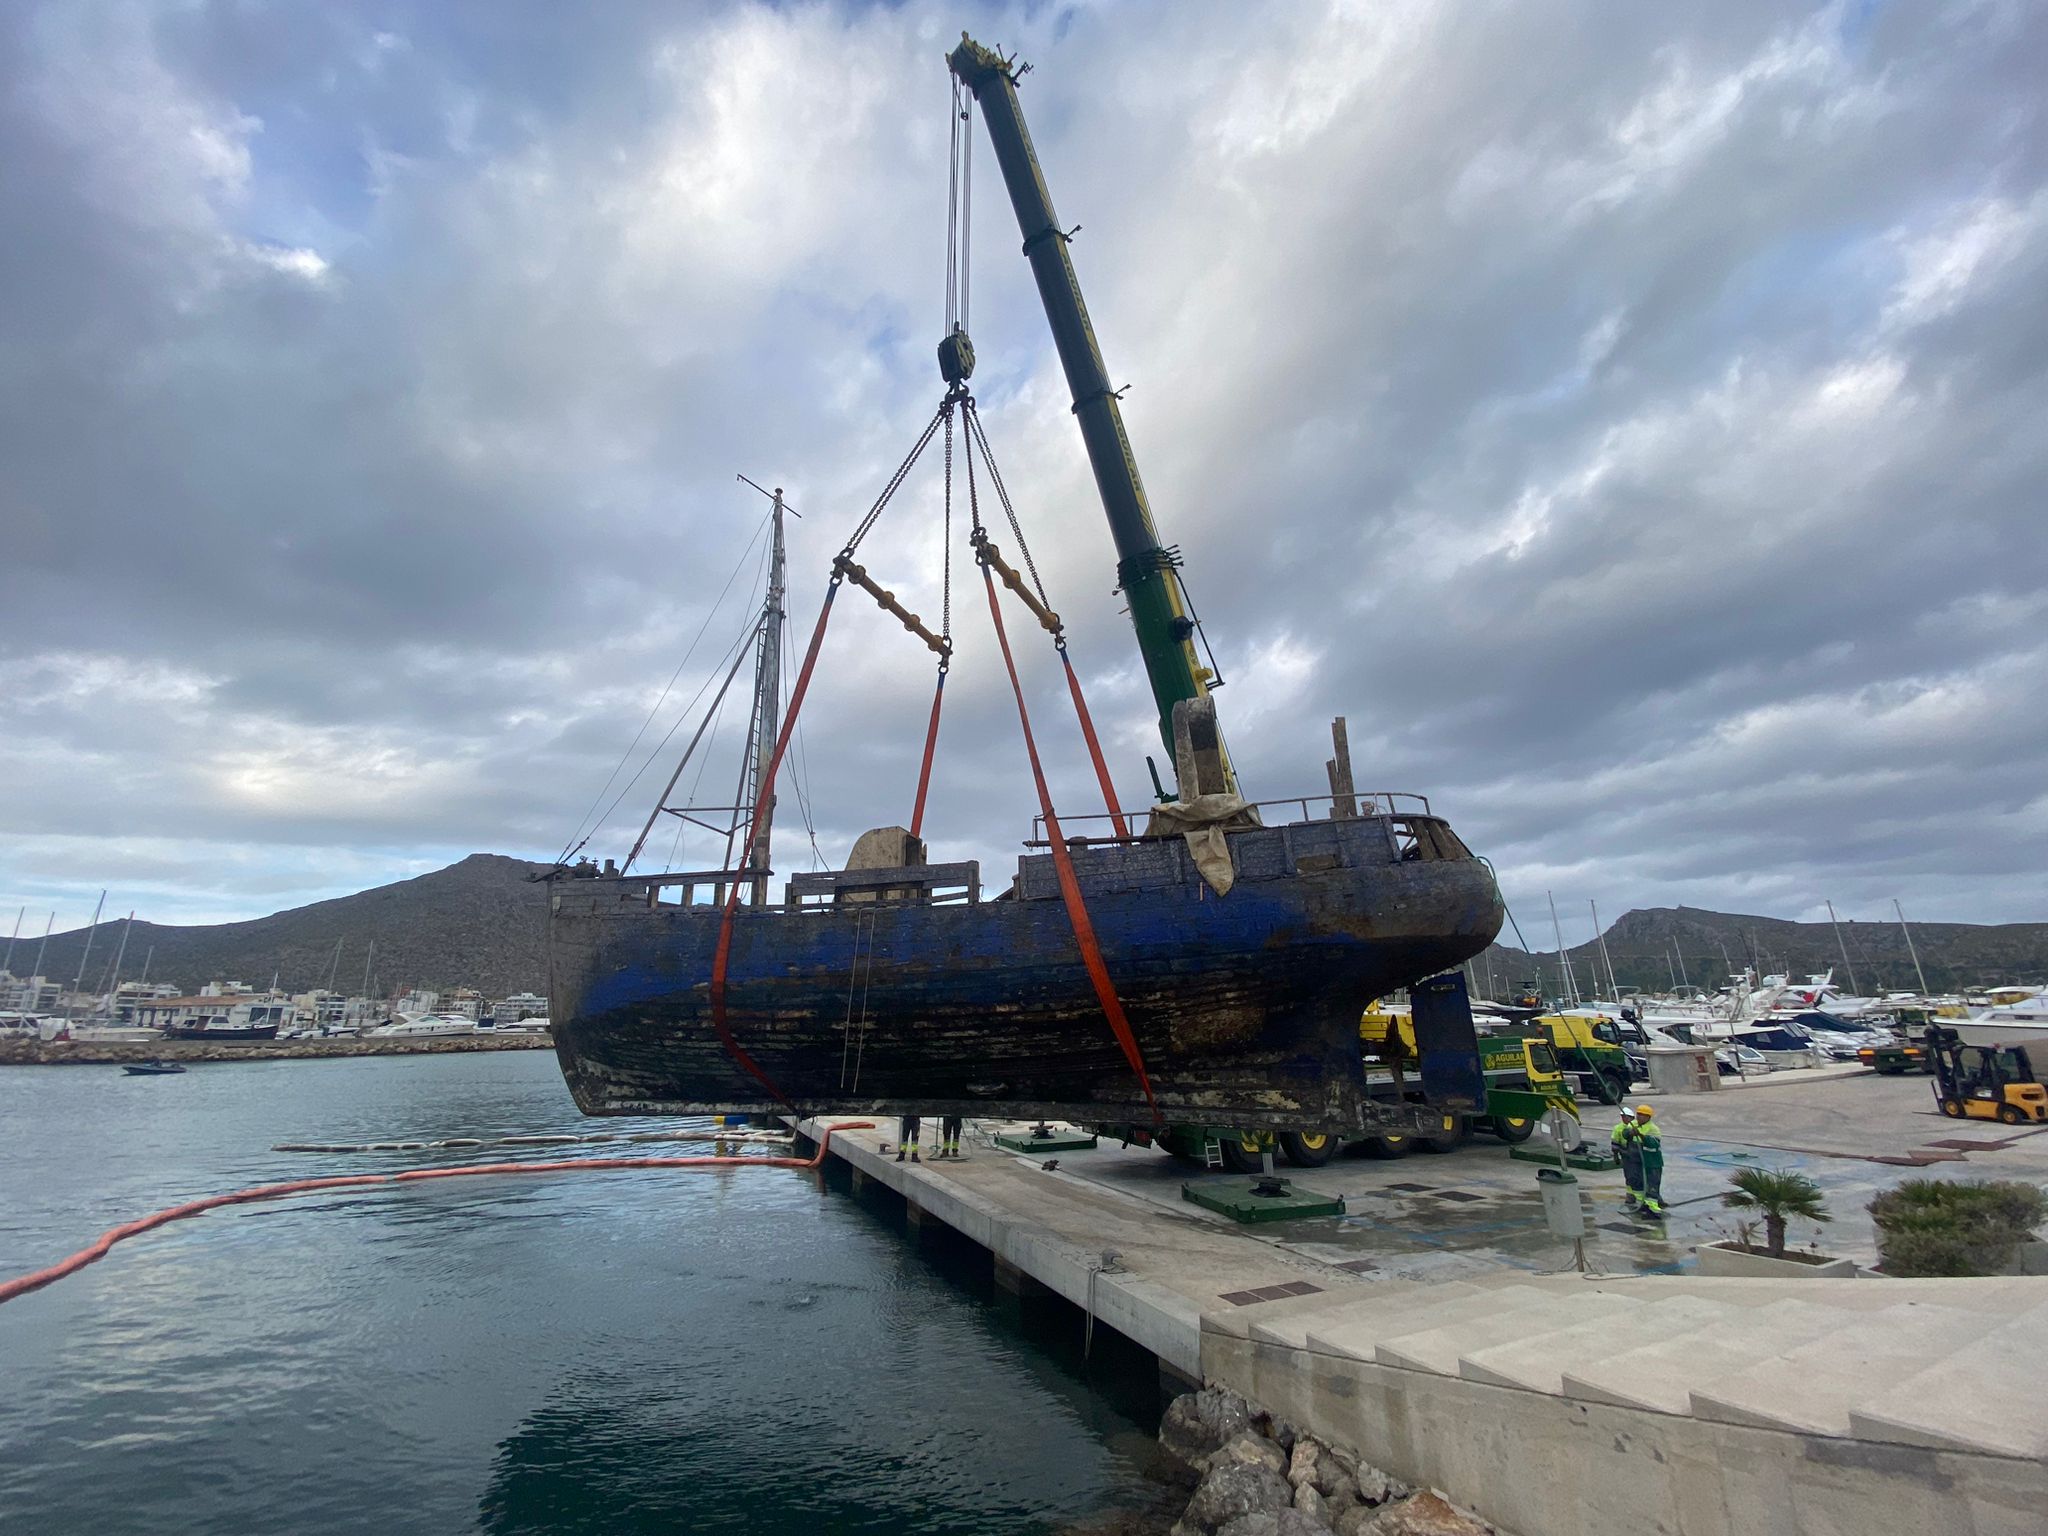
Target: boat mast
(1843, 950)
(48, 923)
(1909, 945)
(8, 964)
(1564, 961)
(78, 981)
(1147, 570)
(1613, 986)
(767, 706)
(120, 953)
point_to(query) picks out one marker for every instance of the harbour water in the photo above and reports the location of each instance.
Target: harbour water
(611, 1352)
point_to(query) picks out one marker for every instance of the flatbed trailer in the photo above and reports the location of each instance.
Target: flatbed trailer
(1517, 1078)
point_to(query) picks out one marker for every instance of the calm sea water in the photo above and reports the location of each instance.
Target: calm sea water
(612, 1352)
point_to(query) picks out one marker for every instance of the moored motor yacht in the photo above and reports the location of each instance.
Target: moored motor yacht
(423, 1025)
(2022, 1021)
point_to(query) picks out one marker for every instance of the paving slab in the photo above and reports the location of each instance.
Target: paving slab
(1440, 1348)
(1357, 1327)
(1663, 1376)
(1538, 1364)
(1814, 1386)
(1989, 1395)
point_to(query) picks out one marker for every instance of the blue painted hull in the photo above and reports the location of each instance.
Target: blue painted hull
(1245, 1006)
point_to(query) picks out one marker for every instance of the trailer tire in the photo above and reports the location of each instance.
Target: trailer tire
(1446, 1141)
(1396, 1144)
(1308, 1149)
(1511, 1128)
(1241, 1153)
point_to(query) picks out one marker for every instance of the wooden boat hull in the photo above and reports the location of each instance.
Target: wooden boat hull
(1245, 1006)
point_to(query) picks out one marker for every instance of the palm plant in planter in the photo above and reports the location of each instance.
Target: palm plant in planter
(1777, 1196)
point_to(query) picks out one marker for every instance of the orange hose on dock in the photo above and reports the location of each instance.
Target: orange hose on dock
(21, 1285)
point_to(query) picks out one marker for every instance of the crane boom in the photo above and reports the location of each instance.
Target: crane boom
(1145, 567)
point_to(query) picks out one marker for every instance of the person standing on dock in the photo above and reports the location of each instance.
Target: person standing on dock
(1650, 1149)
(949, 1136)
(906, 1139)
(1628, 1146)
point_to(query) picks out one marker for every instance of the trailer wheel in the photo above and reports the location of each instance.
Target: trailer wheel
(1306, 1149)
(1241, 1152)
(1511, 1128)
(1953, 1108)
(1392, 1145)
(1447, 1141)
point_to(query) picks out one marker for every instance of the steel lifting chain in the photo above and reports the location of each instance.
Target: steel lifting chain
(874, 513)
(946, 543)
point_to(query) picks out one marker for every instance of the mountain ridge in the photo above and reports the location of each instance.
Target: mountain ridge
(481, 922)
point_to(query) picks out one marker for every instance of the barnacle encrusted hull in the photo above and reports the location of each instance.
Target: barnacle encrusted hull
(885, 1000)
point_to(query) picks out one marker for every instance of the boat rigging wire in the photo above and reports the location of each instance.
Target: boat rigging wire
(959, 207)
(640, 842)
(35, 1280)
(573, 846)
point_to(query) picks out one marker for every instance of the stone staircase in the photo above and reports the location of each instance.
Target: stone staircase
(1945, 1364)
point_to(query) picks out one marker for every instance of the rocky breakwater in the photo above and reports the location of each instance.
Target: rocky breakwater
(1257, 1476)
(19, 1052)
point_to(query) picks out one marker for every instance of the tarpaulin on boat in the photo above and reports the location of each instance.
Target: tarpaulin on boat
(1203, 820)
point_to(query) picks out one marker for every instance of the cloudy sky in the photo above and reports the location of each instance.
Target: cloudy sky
(1630, 417)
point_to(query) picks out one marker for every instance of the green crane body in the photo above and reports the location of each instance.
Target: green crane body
(1145, 567)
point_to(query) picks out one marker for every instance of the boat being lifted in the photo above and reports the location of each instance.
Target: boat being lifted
(1201, 968)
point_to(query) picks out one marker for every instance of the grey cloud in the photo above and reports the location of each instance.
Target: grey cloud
(1613, 414)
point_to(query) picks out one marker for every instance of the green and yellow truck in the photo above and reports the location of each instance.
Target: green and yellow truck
(1523, 1083)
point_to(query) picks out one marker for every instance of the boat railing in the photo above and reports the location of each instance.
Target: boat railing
(676, 887)
(1394, 804)
(923, 884)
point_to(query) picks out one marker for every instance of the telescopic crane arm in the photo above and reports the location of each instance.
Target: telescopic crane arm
(1145, 567)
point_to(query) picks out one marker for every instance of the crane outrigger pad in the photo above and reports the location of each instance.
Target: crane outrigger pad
(889, 1001)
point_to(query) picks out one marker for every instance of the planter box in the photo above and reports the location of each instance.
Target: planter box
(1727, 1260)
(2032, 1259)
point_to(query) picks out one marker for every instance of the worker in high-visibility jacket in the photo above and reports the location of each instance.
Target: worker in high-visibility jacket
(1650, 1144)
(1628, 1146)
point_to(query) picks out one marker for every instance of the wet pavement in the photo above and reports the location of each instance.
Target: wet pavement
(1476, 1210)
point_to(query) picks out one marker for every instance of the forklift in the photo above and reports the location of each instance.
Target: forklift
(1979, 1082)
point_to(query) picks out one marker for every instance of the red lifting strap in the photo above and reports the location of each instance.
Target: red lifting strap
(722, 956)
(931, 741)
(1116, 812)
(1070, 888)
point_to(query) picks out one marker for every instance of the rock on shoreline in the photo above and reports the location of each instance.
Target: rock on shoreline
(1257, 1476)
(98, 1053)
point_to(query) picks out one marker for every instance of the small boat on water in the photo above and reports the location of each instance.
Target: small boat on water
(154, 1067)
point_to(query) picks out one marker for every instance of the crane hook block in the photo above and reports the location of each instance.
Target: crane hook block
(956, 358)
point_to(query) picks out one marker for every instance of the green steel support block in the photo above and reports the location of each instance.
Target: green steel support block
(1589, 1161)
(1058, 1141)
(1243, 1203)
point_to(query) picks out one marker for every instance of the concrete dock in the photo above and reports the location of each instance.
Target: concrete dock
(1437, 1330)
